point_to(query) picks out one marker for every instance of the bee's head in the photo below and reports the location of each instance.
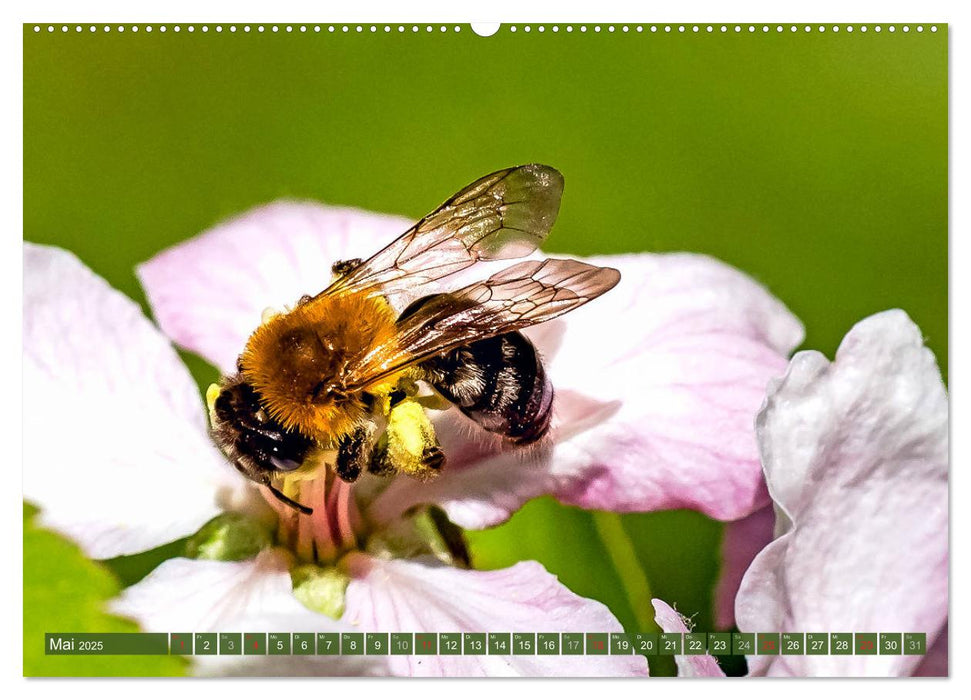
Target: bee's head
(256, 445)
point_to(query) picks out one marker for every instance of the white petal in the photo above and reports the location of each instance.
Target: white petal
(689, 665)
(856, 459)
(256, 595)
(116, 451)
(199, 595)
(424, 596)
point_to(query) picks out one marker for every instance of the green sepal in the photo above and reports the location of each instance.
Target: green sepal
(229, 537)
(425, 531)
(320, 589)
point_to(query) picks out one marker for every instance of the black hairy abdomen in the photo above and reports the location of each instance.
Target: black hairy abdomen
(499, 382)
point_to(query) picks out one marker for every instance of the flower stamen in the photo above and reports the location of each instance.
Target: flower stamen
(343, 514)
(329, 532)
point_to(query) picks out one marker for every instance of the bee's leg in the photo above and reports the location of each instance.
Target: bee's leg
(354, 453)
(381, 464)
(411, 445)
(342, 267)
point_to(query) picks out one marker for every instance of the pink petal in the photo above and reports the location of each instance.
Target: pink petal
(208, 293)
(116, 450)
(688, 345)
(743, 539)
(424, 596)
(856, 459)
(658, 384)
(934, 663)
(689, 666)
(256, 595)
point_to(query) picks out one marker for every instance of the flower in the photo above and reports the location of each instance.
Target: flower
(656, 390)
(658, 380)
(855, 454)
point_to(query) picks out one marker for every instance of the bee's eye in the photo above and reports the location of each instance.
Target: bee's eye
(285, 465)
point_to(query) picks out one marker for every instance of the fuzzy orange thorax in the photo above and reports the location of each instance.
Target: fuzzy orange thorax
(297, 361)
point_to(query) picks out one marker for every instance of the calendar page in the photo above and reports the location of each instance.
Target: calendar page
(468, 350)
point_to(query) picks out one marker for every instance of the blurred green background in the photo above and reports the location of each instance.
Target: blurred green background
(816, 162)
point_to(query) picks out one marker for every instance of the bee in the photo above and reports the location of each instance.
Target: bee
(342, 371)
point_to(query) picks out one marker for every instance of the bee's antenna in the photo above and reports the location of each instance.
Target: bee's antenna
(289, 501)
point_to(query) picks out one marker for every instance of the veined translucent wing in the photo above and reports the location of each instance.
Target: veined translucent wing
(523, 295)
(501, 216)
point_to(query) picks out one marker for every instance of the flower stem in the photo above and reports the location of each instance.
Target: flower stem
(628, 568)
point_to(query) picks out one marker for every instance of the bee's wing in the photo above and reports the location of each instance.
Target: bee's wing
(501, 216)
(522, 295)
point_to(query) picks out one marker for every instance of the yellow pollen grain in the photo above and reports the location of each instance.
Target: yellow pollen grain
(212, 393)
(269, 313)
